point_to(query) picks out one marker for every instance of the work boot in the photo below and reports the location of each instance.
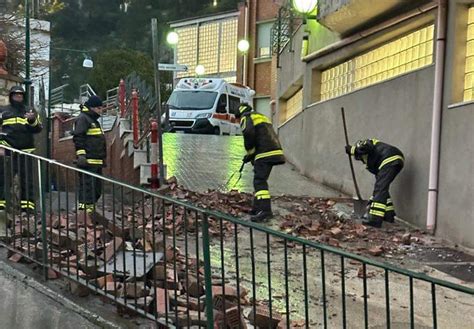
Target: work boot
(389, 217)
(253, 212)
(373, 221)
(261, 216)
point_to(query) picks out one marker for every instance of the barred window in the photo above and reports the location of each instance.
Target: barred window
(469, 66)
(403, 55)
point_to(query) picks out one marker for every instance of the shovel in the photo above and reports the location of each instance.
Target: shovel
(232, 176)
(360, 205)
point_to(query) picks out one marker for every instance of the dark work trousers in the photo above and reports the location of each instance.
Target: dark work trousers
(21, 165)
(382, 203)
(90, 188)
(262, 199)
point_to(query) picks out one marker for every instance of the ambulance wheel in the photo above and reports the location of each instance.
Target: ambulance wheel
(217, 131)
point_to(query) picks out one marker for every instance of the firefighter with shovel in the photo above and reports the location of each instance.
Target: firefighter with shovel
(263, 151)
(385, 162)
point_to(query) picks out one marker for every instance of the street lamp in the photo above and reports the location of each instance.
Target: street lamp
(88, 63)
(305, 7)
(243, 46)
(200, 70)
(172, 38)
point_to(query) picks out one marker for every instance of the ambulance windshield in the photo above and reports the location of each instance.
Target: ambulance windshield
(192, 100)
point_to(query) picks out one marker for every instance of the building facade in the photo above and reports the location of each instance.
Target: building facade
(209, 41)
(258, 23)
(212, 41)
(387, 64)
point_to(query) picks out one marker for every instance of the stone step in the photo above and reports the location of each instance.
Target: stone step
(125, 127)
(139, 157)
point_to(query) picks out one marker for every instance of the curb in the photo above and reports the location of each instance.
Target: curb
(58, 298)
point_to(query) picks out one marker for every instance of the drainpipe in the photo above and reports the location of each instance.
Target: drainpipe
(437, 116)
(246, 37)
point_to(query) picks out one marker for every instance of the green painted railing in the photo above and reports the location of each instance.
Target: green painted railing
(217, 268)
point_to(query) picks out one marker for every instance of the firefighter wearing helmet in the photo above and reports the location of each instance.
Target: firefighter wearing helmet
(19, 125)
(263, 151)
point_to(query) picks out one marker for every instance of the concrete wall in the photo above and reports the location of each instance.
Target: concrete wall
(456, 181)
(380, 111)
(398, 111)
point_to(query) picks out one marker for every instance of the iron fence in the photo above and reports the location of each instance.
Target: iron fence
(181, 265)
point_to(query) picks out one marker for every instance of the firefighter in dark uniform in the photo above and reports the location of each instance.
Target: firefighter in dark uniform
(385, 162)
(263, 151)
(90, 143)
(19, 125)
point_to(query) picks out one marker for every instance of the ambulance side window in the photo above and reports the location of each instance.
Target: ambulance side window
(222, 104)
(234, 104)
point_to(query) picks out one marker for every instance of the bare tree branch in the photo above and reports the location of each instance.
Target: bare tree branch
(12, 33)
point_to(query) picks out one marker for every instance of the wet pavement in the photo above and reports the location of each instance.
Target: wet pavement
(202, 162)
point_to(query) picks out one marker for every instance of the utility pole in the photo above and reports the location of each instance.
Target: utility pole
(27, 51)
(156, 61)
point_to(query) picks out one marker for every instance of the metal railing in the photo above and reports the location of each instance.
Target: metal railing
(283, 29)
(85, 91)
(57, 96)
(112, 97)
(136, 102)
(182, 265)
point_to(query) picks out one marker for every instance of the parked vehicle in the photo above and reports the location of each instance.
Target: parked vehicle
(207, 105)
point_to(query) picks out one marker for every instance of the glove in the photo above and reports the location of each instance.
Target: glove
(348, 149)
(81, 161)
(248, 158)
(31, 117)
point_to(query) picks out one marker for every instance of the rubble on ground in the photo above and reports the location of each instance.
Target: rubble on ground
(169, 283)
(312, 218)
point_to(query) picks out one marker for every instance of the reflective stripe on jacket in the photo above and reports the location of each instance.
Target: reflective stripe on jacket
(89, 138)
(376, 154)
(260, 139)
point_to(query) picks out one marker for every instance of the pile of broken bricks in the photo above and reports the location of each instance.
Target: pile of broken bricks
(167, 284)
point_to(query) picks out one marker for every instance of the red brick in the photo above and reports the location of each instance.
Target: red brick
(104, 279)
(162, 301)
(52, 274)
(114, 288)
(263, 319)
(113, 246)
(229, 291)
(15, 258)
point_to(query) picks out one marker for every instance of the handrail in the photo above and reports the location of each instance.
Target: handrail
(257, 227)
(143, 137)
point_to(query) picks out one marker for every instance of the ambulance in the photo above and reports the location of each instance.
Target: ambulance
(207, 106)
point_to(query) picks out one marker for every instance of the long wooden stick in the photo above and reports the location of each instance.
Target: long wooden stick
(350, 158)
